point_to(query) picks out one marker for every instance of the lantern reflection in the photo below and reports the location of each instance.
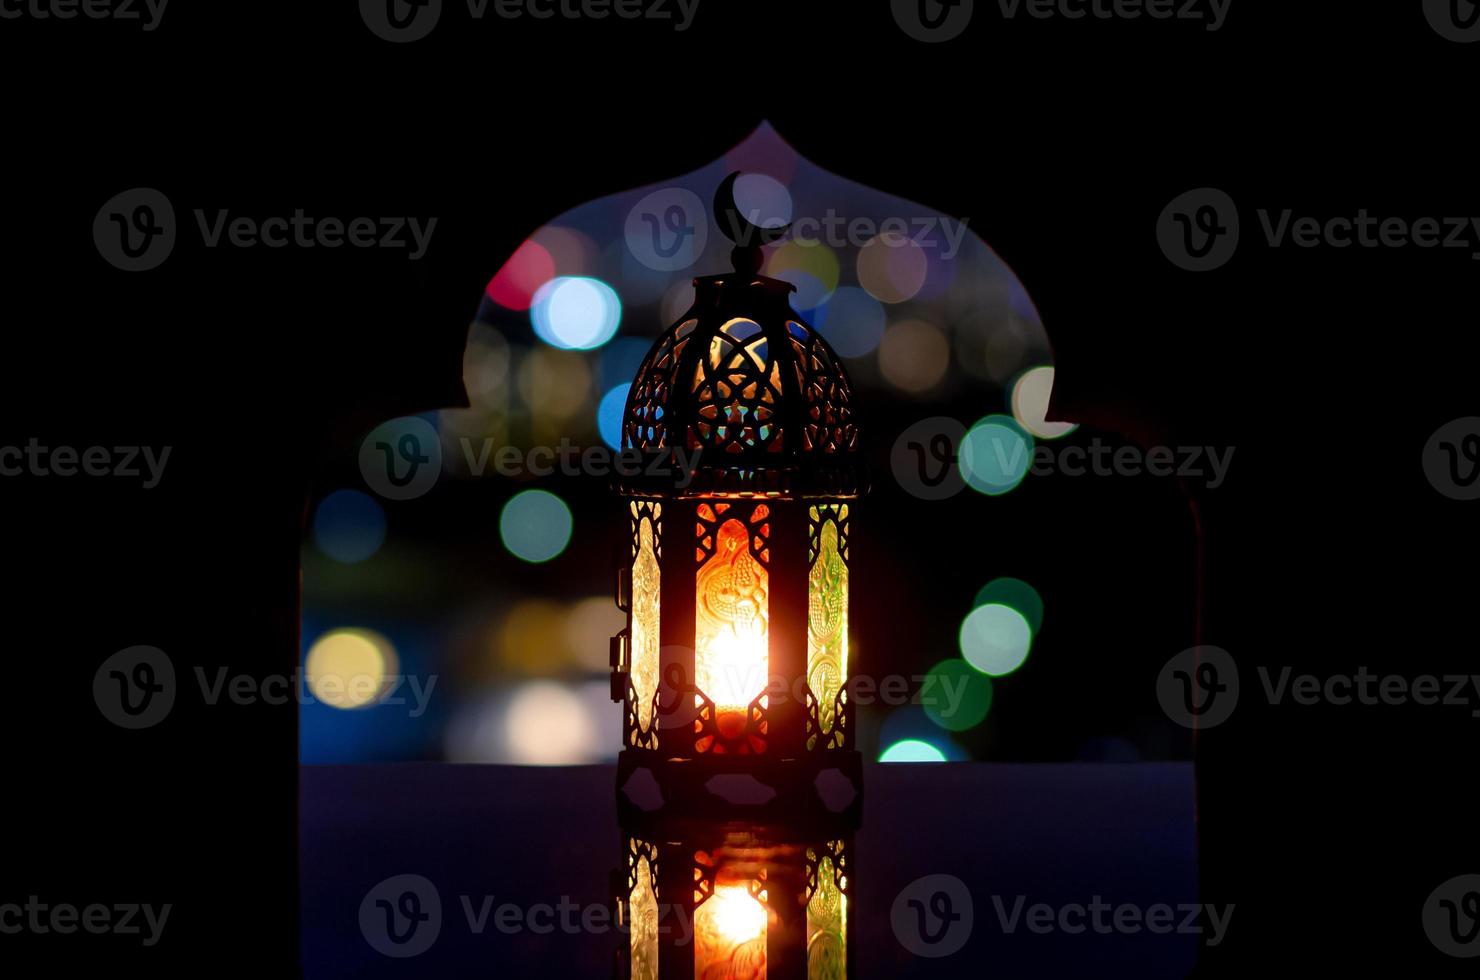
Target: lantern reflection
(763, 902)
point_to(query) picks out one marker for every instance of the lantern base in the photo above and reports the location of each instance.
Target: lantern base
(825, 788)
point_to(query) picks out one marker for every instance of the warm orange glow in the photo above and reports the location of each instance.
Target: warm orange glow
(730, 935)
(731, 661)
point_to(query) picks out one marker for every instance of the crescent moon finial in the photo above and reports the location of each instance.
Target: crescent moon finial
(736, 227)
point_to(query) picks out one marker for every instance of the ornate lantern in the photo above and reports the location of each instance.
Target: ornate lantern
(734, 659)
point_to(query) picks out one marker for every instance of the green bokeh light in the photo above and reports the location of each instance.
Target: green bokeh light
(535, 525)
(995, 455)
(955, 696)
(912, 750)
(1014, 592)
(995, 639)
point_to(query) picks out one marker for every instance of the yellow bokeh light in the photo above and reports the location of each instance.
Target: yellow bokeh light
(1030, 404)
(351, 668)
(914, 356)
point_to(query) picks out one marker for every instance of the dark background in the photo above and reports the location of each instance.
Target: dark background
(1327, 550)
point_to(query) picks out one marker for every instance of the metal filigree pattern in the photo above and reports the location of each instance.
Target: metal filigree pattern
(737, 393)
(829, 425)
(645, 425)
(761, 395)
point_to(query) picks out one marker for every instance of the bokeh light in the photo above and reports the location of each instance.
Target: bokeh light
(485, 365)
(535, 525)
(763, 200)
(1030, 395)
(892, 267)
(912, 750)
(548, 724)
(851, 321)
(349, 526)
(995, 639)
(555, 382)
(1014, 592)
(589, 626)
(956, 697)
(811, 266)
(914, 356)
(995, 454)
(514, 286)
(575, 312)
(573, 253)
(609, 415)
(351, 668)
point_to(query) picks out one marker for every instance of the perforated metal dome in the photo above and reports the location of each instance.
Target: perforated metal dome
(755, 390)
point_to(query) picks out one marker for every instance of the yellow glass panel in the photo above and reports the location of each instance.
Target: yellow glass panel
(827, 927)
(730, 653)
(827, 623)
(645, 591)
(730, 935)
(643, 906)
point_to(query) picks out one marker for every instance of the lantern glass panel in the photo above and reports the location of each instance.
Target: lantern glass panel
(732, 613)
(646, 583)
(730, 931)
(827, 926)
(827, 618)
(642, 903)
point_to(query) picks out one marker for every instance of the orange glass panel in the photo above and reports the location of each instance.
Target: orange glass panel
(730, 934)
(730, 652)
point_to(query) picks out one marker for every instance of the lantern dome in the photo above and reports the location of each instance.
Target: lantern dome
(745, 397)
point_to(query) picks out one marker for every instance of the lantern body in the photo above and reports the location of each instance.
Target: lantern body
(735, 572)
